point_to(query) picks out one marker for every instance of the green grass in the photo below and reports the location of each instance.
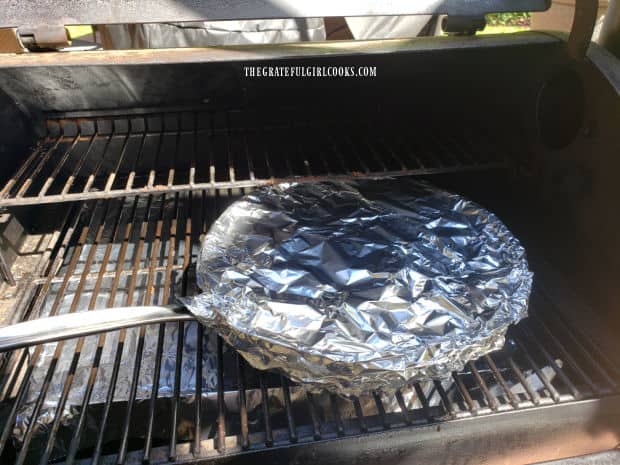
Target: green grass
(503, 29)
(79, 31)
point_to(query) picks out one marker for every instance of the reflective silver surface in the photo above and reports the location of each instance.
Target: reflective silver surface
(72, 325)
(360, 286)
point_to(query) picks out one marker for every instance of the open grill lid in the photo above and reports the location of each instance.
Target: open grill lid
(45, 16)
(35, 13)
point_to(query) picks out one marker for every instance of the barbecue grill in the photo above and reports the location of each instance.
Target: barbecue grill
(115, 163)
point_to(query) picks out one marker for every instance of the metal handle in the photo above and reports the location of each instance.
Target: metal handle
(73, 325)
(583, 28)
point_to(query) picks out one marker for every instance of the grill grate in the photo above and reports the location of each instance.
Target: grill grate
(108, 157)
(139, 250)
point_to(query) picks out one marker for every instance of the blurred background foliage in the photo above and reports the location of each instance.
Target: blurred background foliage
(509, 19)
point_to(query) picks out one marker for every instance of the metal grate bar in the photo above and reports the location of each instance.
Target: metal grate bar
(34, 358)
(176, 395)
(243, 409)
(25, 185)
(78, 349)
(122, 454)
(464, 392)
(292, 430)
(380, 410)
(48, 182)
(587, 352)
(103, 158)
(333, 400)
(502, 382)
(403, 407)
(360, 415)
(265, 408)
(171, 239)
(539, 373)
(198, 396)
(90, 179)
(551, 361)
(138, 355)
(121, 338)
(447, 405)
(316, 425)
(49, 262)
(95, 365)
(489, 396)
(78, 166)
(148, 444)
(22, 169)
(176, 399)
(533, 395)
(424, 401)
(566, 355)
(9, 369)
(38, 295)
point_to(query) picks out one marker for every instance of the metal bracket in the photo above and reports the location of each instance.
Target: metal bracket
(5, 271)
(45, 37)
(463, 25)
(583, 28)
(10, 233)
(9, 41)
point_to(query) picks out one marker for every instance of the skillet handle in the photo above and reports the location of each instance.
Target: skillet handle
(73, 325)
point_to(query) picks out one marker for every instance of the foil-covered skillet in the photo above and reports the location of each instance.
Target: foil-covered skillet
(360, 286)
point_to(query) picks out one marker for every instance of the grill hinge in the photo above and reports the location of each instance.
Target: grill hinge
(44, 38)
(9, 41)
(463, 25)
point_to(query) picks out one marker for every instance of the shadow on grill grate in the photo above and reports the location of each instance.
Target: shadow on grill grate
(130, 396)
(107, 157)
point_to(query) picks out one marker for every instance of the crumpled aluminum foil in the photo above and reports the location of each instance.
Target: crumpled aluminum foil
(360, 286)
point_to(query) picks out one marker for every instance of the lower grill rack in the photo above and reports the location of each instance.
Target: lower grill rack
(130, 395)
(246, 410)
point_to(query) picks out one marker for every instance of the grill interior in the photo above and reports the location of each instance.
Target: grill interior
(131, 161)
(146, 188)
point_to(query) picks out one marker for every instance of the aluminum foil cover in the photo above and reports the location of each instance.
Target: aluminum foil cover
(360, 286)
